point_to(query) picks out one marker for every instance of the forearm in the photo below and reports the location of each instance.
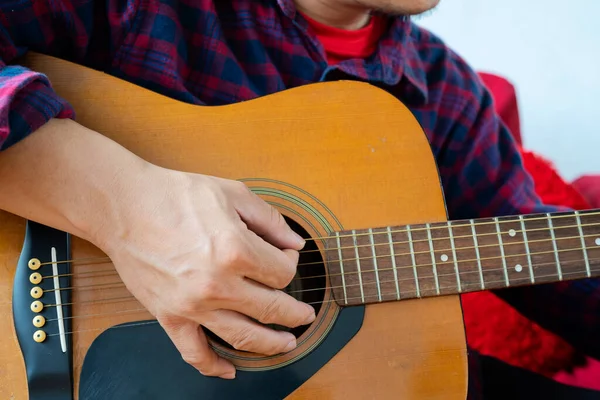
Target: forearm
(71, 178)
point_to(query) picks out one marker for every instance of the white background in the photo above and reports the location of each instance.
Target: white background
(550, 51)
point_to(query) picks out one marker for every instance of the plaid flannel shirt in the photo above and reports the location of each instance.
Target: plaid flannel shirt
(219, 52)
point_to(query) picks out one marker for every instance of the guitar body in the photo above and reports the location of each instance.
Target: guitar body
(329, 156)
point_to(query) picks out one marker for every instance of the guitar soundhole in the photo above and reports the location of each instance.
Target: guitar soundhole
(307, 286)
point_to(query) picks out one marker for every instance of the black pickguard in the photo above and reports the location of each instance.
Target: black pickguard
(139, 362)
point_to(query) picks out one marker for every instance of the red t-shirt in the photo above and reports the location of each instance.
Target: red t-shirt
(341, 44)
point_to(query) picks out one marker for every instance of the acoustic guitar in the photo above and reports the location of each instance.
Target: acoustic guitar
(352, 171)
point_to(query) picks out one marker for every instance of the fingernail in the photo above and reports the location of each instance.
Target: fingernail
(299, 239)
(291, 346)
(228, 375)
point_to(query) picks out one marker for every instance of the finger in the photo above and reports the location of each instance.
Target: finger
(246, 335)
(190, 340)
(269, 265)
(266, 221)
(271, 306)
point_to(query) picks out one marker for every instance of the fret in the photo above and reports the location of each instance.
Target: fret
(433, 265)
(513, 251)
(465, 257)
(476, 243)
(357, 262)
(526, 244)
(348, 285)
(556, 257)
(426, 273)
(454, 259)
(335, 262)
(590, 225)
(570, 254)
(501, 246)
(541, 248)
(393, 259)
(443, 259)
(414, 260)
(401, 247)
(490, 251)
(583, 246)
(375, 268)
(384, 265)
(341, 261)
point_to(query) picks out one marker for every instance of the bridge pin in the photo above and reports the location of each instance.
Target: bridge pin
(39, 336)
(34, 264)
(37, 306)
(39, 321)
(35, 278)
(36, 292)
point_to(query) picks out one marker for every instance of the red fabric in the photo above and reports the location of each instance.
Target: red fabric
(550, 185)
(505, 97)
(492, 326)
(589, 186)
(341, 44)
(495, 328)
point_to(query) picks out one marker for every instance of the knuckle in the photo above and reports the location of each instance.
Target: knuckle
(193, 359)
(209, 290)
(185, 307)
(197, 297)
(276, 217)
(244, 339)
(240, 188)
(199, 363)
(232, 253)
(270, 312)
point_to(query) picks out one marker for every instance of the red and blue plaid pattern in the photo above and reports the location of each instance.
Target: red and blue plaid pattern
(209, 52)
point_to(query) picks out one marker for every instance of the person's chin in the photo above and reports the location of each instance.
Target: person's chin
(409, 7)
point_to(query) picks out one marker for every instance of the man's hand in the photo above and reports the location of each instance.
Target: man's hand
(195, 250)
(198, 250)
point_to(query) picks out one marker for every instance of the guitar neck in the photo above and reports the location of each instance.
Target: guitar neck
(424, 260)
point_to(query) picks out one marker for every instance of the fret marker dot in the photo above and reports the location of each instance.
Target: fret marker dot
(597, 242)
(512, 233)
(518, 268)
(444, 257)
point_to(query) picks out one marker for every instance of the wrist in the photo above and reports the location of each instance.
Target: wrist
(115, 202)
(78, 181)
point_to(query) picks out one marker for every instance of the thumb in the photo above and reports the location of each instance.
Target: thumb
(191, 342)
(264, 220)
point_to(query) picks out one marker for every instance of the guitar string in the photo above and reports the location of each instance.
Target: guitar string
(405, 242)
(411, 279)
(121, 285)
(420, 266)
(351, 274)
(101, 260)
(133, 324)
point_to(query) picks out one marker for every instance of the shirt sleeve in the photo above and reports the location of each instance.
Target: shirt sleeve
(27, 100)
(484, 176)
(87, 32)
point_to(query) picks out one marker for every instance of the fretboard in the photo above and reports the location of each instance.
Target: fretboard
(413, 261)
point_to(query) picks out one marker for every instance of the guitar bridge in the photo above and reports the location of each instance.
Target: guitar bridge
(42, 312)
